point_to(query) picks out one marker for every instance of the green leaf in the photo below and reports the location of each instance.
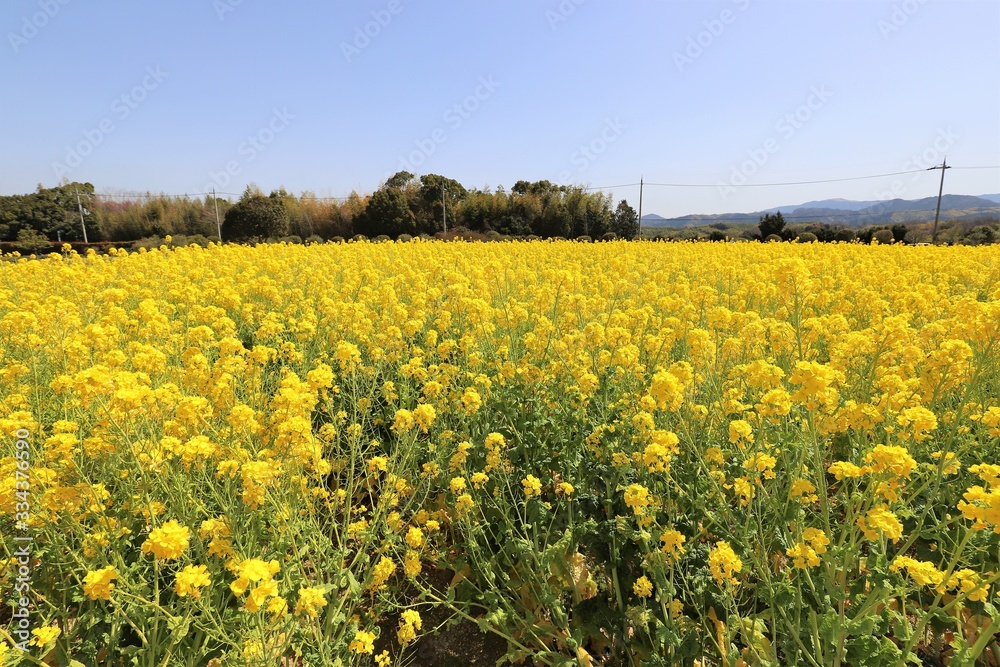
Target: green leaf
(353, 584)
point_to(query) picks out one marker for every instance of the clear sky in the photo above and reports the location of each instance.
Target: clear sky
(176, 97)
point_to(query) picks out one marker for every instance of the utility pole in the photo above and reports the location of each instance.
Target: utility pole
(444, 209)
(937, 214)
(83, 225)
(640, 205)
(218, 224)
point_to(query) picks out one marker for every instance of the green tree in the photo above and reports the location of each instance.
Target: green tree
(388, 213)
(48, 211)
(771, 224)
(399, 180)
(429, 201)
(625, 221)
(555, 219)
(981, 235)
(598, 215)
(477, 212)
(255, 217)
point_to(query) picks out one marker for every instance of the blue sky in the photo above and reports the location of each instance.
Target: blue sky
(183, 96)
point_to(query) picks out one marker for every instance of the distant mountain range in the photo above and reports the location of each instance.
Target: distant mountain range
(852, 213)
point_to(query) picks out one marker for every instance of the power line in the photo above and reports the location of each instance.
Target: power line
(762, 185)
(765, 185)
(610, 187)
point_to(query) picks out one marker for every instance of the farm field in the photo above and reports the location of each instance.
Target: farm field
(617, 453)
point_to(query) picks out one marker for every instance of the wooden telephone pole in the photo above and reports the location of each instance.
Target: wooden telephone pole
(218, 224)
(937, 213)
(640, 206)
(83, 225)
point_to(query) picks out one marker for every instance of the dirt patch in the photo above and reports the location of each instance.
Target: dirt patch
(457, 645)
(445, 640)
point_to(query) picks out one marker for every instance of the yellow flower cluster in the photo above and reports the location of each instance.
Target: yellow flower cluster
(311, 600)
(409, 625)
(806, 554)
(257, 576)
(168, 541)
(880, 522)
(191, 580)
(97, 585)
(724, 563)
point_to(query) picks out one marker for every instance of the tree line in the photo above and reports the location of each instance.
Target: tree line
(975, 230)
(404, 205)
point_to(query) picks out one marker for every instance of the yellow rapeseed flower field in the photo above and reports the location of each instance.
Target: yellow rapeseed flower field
(604, 453)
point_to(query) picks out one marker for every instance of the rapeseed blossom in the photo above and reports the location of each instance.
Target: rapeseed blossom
(168, 541)
(98, 584)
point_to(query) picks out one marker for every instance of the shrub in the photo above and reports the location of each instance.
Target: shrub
(338, 239)
(314, 239)
(293, 238)
(359, 238)
(403, 238)
(494, 235)
(255, 217)
(584, 239)
(807, 237)
(981, 235)
(32, 241)
(772, 238)
(883, 236)
(609, 236)
(381, 238)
